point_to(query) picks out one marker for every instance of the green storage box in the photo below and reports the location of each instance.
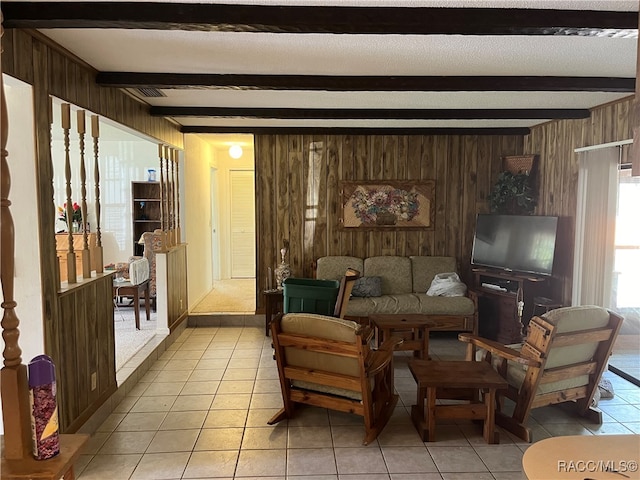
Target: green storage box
(310, 296)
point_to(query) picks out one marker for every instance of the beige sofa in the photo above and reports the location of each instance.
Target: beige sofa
(404, 285)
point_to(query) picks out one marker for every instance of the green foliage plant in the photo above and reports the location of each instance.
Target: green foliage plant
(513, 193)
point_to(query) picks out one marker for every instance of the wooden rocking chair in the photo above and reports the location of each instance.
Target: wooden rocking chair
(326, 362)
(561, 360)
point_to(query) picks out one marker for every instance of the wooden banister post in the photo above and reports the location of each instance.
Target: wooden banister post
(167, 193)
(71, 256)
(178, 231)
(95, 133)
(14, 387)
(86, 255)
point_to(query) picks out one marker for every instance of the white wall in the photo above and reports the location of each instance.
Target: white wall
(198, 162)
(22, 165)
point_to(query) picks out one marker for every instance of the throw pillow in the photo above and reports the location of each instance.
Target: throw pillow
(367, 287)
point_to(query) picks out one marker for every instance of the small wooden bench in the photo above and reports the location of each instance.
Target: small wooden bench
(475, 382)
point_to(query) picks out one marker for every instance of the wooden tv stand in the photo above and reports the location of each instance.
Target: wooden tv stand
(498, 295)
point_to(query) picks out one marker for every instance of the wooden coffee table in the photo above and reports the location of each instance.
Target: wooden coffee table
(475, 382)
(417, 328)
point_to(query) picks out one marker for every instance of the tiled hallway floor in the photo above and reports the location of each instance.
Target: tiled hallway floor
(201, 412)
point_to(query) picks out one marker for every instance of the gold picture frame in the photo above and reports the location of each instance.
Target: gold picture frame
(387, 204)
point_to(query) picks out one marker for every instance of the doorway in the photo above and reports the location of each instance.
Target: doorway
(625, 360)
(232, 228)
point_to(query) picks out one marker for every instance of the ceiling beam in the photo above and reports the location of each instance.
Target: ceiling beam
(373, 113)
(356, 130)
(318, 19)
(365, 83)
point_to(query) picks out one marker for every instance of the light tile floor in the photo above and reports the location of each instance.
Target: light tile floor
(201, 412)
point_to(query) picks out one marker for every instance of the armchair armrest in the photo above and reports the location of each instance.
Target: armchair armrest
(380, 358)
(498, 349)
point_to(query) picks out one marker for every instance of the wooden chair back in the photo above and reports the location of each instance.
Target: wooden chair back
(344, 292)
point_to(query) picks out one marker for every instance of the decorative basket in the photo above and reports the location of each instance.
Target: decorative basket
(520, 163)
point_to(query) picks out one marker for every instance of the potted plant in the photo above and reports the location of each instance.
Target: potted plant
(513, 193)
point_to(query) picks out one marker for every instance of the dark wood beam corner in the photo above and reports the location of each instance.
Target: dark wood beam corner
(370, 83)
(372, 113)
(317, 19)
(356, 131)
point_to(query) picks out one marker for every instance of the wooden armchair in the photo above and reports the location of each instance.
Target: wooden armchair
(561, 360)
(326, 362)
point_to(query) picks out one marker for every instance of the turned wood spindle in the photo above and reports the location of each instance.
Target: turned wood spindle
(163, 211)
(13, 387)
(95, 133)
(167, 233)
(178, 232)
(71, 256)
(86, 254)
(172, 201)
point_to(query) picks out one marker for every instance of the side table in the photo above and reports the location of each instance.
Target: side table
(455, 378)
(127, 289)
(273, 303)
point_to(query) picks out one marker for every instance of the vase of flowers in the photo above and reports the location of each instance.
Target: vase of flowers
(76, 217)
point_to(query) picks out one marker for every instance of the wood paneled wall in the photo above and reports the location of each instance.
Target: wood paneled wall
(177, 299)
(299, 193)
(85, 313)
(81, 343)
(555, 143)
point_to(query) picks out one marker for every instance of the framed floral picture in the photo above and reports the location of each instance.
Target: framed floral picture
(392, 204)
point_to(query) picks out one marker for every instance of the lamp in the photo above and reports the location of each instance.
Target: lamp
(235, 151)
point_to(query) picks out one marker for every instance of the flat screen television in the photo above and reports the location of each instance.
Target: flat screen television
(518, 243)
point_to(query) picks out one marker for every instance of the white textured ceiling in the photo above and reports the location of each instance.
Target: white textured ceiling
(176, 51)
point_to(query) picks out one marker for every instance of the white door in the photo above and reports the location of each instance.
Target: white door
(243, 240)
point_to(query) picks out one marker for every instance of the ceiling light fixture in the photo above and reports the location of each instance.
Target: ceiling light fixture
(235, 151)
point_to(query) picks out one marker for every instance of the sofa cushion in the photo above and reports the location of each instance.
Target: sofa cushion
(367, 287)
(394, 271)
(425, 269)
(445, 305)
(334, 267)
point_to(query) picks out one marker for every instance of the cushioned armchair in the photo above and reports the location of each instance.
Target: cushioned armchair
(326, 362)
(561, 360)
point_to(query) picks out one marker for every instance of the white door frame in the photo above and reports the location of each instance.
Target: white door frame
(215, 226)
